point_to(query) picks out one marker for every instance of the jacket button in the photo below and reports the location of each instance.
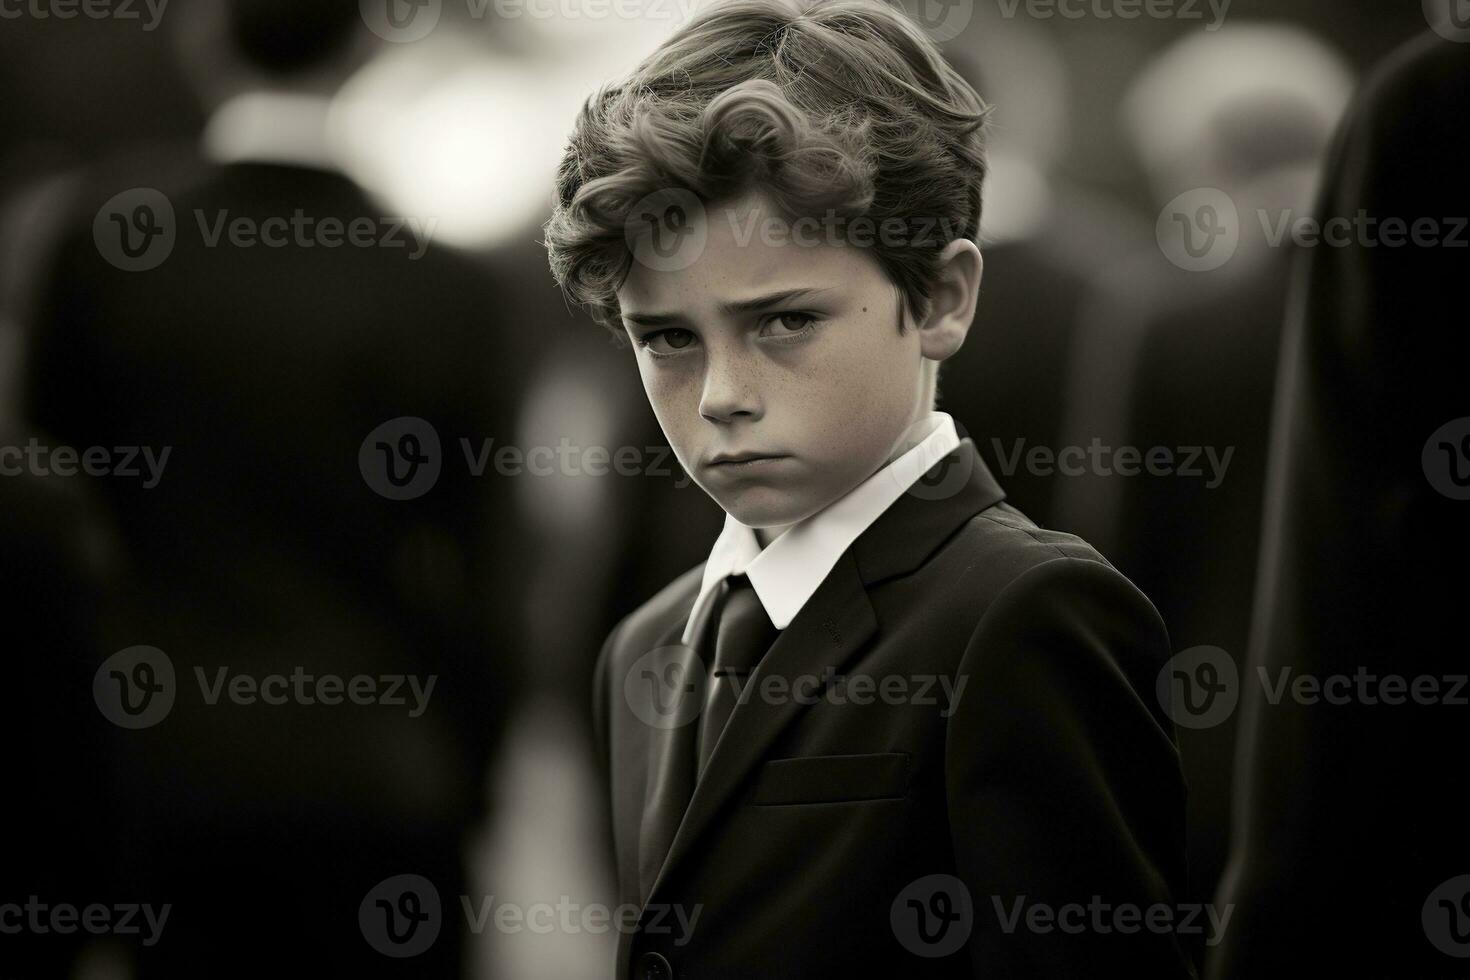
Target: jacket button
(653, 966)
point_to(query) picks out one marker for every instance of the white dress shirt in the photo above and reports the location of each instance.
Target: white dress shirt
(788, 571)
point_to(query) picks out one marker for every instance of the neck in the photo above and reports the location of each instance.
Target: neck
(917, 431)
(765, 535)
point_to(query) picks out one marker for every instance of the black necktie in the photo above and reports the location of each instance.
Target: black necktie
(742, 637)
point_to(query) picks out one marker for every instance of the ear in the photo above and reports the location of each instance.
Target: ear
(953, 301)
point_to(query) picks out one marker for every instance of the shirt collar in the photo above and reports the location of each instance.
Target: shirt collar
(787, 572)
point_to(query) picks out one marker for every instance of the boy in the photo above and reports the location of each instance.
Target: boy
(890, 728)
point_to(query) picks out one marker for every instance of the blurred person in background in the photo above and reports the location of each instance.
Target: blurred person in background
(1349, 850)
(1046, 240)
(271, 370)
(1178, 350)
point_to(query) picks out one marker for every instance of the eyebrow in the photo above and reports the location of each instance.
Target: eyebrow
(733, 307)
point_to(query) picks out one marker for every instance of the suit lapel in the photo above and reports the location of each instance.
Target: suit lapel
(954, 490)
(833, 625)
(672, 758)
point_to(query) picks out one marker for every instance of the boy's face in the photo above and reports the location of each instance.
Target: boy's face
(774, 365)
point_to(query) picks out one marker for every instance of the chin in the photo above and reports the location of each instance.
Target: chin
(768, 507)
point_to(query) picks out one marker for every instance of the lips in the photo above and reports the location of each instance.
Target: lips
(736, 460)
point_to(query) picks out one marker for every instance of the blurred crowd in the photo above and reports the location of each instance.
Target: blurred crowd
(393, 456)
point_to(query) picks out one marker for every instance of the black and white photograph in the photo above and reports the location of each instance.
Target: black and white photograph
(734, 489)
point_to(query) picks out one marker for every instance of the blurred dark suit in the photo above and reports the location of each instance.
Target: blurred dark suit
(1347, 814)
(1201, 376)
(263, 549)
(1007, 387)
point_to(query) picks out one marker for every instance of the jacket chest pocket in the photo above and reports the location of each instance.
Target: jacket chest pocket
(832, 779)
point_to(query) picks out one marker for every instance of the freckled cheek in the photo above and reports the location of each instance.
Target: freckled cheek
(674, 395)
(862, 390)
(834, 405)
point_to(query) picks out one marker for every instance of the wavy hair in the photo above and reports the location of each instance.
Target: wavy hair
(828, 106)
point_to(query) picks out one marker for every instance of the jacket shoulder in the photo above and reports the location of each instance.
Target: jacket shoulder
(1005, 544)
(1000, 552)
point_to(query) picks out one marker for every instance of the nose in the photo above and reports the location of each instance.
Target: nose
(730, 389)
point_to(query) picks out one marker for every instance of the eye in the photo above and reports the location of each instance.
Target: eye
(787, 324)
(663, 343)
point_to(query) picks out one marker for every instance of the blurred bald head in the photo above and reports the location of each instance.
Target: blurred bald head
(1224, 108)
(232, 46)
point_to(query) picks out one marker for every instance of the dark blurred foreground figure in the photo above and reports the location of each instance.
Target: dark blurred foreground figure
(1350, 853)
(269, 545)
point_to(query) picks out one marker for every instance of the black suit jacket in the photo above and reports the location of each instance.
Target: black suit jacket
(1052, 778)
